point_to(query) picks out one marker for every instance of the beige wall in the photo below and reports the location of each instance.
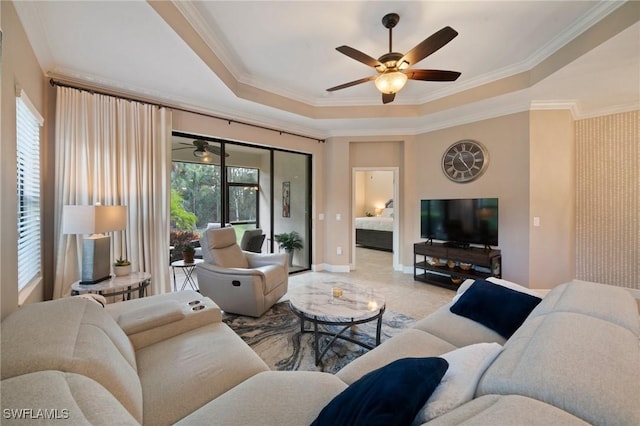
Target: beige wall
(418, 158)
(551, 198)
(379, 188)
(19, 68)
(608, 199)
(507, 178)
(337, 196)
(373, 189)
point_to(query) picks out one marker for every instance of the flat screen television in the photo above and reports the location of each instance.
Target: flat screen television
(460, 222)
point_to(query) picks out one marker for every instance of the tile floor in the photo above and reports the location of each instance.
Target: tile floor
(374, 268)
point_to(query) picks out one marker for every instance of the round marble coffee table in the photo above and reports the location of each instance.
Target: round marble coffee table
(336, 304)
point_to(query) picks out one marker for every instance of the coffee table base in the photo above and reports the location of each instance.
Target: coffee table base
(334, 336)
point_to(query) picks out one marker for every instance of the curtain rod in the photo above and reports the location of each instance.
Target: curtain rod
(159, 105)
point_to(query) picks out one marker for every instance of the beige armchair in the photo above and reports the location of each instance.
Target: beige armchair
(240, 282)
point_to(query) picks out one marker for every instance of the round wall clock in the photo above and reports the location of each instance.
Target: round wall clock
(465, 160)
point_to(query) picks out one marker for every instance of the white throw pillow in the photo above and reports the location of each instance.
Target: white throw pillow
(466, 366)
(504, 283)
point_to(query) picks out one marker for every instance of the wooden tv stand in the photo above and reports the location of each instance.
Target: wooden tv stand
(484, 263)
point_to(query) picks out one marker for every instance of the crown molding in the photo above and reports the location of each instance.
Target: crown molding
(617, 109)
(571, 105)
(211, 38)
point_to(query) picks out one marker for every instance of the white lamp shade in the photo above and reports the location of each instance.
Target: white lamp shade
(93, 219)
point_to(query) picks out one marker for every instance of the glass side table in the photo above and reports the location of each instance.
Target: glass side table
(187, 269)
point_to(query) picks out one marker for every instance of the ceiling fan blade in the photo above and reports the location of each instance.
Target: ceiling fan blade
(429, 45)
(215, 150)
(388, 97)
(359, 56)
(432, 75)
(351, 83)
(212, 149)
(183, 147)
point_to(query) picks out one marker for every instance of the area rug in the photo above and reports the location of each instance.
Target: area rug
(276, 338)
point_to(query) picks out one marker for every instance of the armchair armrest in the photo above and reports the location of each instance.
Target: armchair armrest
(228, 271)
(257, 260)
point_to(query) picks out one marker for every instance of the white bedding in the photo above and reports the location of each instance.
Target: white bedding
(376, 223)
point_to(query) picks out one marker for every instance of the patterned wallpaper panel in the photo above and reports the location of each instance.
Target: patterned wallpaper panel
(608, 199)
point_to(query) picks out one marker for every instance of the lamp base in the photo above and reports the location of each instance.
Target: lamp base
(96, 259)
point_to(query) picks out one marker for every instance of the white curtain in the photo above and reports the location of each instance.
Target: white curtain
(115, 152)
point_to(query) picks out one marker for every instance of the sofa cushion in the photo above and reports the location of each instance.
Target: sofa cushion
(459, 383)
(276, 397)
(408, 344)
(72, 335)
(580, 364)
(507, 410)
(183, 373)
(497, 307)
(457, 330)
(389, 395)
(587, 298)
(66, 397)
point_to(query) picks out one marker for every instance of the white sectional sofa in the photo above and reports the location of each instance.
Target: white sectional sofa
(575, 360)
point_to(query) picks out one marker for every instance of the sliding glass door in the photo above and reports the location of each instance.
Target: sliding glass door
(260, 188)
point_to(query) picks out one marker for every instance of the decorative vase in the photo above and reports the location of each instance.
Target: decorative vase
(122, 271)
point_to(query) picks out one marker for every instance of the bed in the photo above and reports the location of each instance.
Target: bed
(376, 232)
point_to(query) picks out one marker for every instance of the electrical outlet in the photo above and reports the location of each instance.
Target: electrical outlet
(321, 216)
(536, 221)
(338, 216)
(339, 250)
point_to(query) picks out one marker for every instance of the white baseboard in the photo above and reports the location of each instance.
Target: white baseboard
(330, 268)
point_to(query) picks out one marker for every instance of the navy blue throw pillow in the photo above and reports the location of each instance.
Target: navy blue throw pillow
(391, 395)
(499, 308)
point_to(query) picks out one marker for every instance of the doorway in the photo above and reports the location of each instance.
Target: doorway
(376, 211)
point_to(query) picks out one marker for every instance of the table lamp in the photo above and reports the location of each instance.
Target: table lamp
(96, 248)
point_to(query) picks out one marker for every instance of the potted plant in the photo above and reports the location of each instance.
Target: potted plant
(122, 267)
(188, 252)
(290, 242)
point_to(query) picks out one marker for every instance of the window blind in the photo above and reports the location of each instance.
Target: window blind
(28, 191)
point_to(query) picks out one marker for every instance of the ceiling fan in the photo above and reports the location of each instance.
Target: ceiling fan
(203, 149)
(393, 67)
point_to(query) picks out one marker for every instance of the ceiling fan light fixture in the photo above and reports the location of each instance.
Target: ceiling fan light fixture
(200, 153)
(391, 82)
